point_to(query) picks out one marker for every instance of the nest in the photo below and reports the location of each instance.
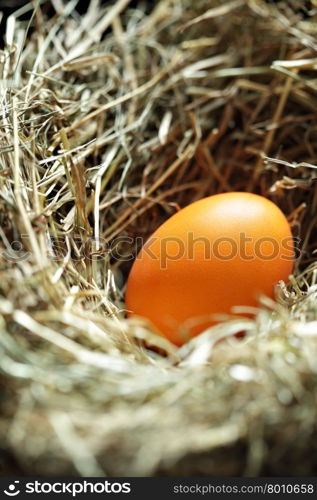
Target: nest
(113, 119)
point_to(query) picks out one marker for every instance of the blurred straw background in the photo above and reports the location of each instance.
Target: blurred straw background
(112, 118)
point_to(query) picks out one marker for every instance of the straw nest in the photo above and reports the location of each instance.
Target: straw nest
(111, 120)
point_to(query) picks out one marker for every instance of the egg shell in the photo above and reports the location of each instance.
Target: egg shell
(216, 253)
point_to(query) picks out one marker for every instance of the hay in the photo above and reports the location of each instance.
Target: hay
(110, 122)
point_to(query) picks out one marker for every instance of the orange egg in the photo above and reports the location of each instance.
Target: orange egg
(219, 252)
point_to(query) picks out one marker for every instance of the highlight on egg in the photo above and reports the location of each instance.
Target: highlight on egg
(216, 253)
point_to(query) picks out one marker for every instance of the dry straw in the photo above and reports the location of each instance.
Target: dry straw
(110, 121)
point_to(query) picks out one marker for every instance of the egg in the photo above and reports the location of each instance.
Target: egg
(216, 253)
